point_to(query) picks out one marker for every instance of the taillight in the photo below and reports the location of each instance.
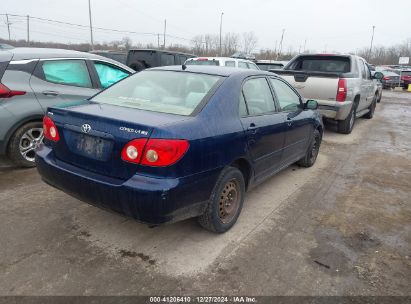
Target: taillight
(386, 78)
(5, 92)
(133, 150)
(341, 90)
(50, 129)
(154, 152)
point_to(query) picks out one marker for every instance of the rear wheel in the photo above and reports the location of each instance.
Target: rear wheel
(311, 156)
(345, 126)
(371, 108)
(225, 203)
(22, 145)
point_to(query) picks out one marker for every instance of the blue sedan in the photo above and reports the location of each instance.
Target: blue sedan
(177, 142)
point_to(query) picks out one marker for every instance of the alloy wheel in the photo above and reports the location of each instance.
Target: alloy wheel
(30, 140)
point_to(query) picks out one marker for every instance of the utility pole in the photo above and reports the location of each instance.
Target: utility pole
(305, 43)
(158, 41)
(8, 25)
(165, 30)
(91, 25)
(28, 30)
(221, 31)
(372, 40)
(280, 47)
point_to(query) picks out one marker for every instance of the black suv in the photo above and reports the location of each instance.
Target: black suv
(140, 59)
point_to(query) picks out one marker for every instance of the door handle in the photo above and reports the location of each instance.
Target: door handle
(289, 122)
(50, 93)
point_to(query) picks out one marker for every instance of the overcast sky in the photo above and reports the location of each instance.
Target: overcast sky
(327, 25)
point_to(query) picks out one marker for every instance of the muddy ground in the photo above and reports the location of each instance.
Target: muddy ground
(342, 227)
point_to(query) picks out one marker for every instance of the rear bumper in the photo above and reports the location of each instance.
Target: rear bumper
(146, 199)
(335, 109)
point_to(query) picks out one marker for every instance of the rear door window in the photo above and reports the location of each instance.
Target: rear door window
(69, 72)
(109, 74)
(230, 64)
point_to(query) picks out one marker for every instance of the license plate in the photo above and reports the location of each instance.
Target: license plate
(93, 147)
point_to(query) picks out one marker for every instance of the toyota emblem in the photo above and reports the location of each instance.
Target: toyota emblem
(86, 128)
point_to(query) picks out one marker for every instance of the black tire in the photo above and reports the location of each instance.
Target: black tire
(312, 152)
(346, 126)
(20, 137)
(213, 217)
(371, 108)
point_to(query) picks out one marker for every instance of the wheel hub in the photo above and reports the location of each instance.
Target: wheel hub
(229, 201)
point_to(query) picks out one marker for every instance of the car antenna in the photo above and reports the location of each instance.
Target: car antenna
(184, 67)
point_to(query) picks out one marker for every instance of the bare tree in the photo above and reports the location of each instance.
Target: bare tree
(249, 42)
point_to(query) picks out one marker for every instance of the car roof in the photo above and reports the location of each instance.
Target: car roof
(160, 51)
(213, 70)
(25, 53)
(221, 59)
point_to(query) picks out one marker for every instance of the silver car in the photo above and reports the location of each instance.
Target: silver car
(32, 79)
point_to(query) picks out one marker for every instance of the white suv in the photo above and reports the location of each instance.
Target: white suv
(223, 61)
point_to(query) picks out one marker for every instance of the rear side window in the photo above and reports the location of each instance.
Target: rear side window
(323, 64)
(69, 72)
(258, 96)
(108, 74)
(230, 64)
(242, 65)
(166, 59)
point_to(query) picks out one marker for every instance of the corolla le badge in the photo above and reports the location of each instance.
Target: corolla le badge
(86, 128)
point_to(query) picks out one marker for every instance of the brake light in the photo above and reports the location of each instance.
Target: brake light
(5, 92)
(386, 78)
(50, 129)
(133, 151)
(341, 90)
(202, 59)
(154, 152)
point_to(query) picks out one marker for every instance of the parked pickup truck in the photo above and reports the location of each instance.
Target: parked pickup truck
(342, 85)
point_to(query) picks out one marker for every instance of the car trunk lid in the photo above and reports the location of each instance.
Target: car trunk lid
(93, 135)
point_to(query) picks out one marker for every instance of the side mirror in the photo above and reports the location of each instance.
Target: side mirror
(378, 75)
(311, 104)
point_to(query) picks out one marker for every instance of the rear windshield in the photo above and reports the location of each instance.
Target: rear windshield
(406, 73)
(160, 91)
(202, 62)
(323, 64)
(270, 66)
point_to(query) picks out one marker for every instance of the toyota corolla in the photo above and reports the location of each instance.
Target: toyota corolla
(173, 143)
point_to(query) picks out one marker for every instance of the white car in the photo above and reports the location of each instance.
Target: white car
(267, 65)
(223, 61)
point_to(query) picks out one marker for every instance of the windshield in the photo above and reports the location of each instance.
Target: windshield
(160, 91)
(203, 62)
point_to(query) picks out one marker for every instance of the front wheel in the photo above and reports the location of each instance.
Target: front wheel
(22, 145)
(226, 202)
(311, 155)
